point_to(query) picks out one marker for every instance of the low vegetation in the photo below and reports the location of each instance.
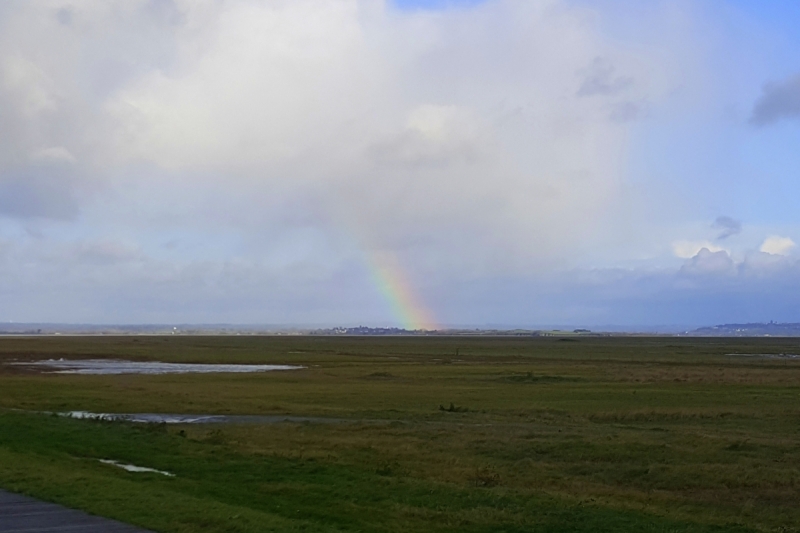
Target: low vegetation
(432, 434)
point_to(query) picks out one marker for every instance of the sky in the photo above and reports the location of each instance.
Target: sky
(409, 163)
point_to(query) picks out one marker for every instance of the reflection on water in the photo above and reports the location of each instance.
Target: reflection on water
(112, 366)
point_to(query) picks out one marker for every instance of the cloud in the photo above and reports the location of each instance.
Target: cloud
(600, 79)
(38, 193)
(242, 160)
(777, 245)
(764, 265)
(778, 101)
(54, 154)
(406, 146)
(728, 226)
(709, 288)
(625, 112)
(64, 16)
(688, 249)
(708, 262)
(433, 135)
(106, 251)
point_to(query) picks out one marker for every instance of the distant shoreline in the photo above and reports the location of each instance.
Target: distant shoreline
(757, 329)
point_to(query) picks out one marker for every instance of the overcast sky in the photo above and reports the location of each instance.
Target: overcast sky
(343, 162)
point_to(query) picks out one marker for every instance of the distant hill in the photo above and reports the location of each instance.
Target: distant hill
(757, 329)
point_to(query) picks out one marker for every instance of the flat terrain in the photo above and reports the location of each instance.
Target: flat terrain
(436, 434)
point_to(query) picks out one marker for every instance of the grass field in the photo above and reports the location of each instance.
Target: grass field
(439, 434)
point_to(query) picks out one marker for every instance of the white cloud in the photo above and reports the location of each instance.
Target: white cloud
(688, 249)
(54, 154)
(29, 84)
(458, 133)
(433, 135)
(708, 262)
(777, 245)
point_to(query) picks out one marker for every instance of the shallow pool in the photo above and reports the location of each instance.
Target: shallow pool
(166, 418)
(115, 366)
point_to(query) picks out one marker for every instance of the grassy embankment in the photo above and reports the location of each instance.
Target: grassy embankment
(621, 434)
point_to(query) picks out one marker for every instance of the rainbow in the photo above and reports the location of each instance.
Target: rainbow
(394, 286)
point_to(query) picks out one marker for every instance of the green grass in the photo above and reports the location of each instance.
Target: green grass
(599, 434)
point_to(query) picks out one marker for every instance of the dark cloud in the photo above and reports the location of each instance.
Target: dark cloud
(728, 226)
(778, 101)
(64, 16)
(600, 79)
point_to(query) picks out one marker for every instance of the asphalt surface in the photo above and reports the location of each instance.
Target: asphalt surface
(20, 514)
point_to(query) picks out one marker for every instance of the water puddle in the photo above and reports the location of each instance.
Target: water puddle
(112, 366)
(134, 468)
(162, 418)
(768, 355)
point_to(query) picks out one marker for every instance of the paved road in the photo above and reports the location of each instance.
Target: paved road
(20, 514)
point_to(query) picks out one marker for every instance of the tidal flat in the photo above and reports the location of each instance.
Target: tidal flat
(473, 434)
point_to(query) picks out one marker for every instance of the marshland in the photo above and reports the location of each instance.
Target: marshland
(401, 434)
